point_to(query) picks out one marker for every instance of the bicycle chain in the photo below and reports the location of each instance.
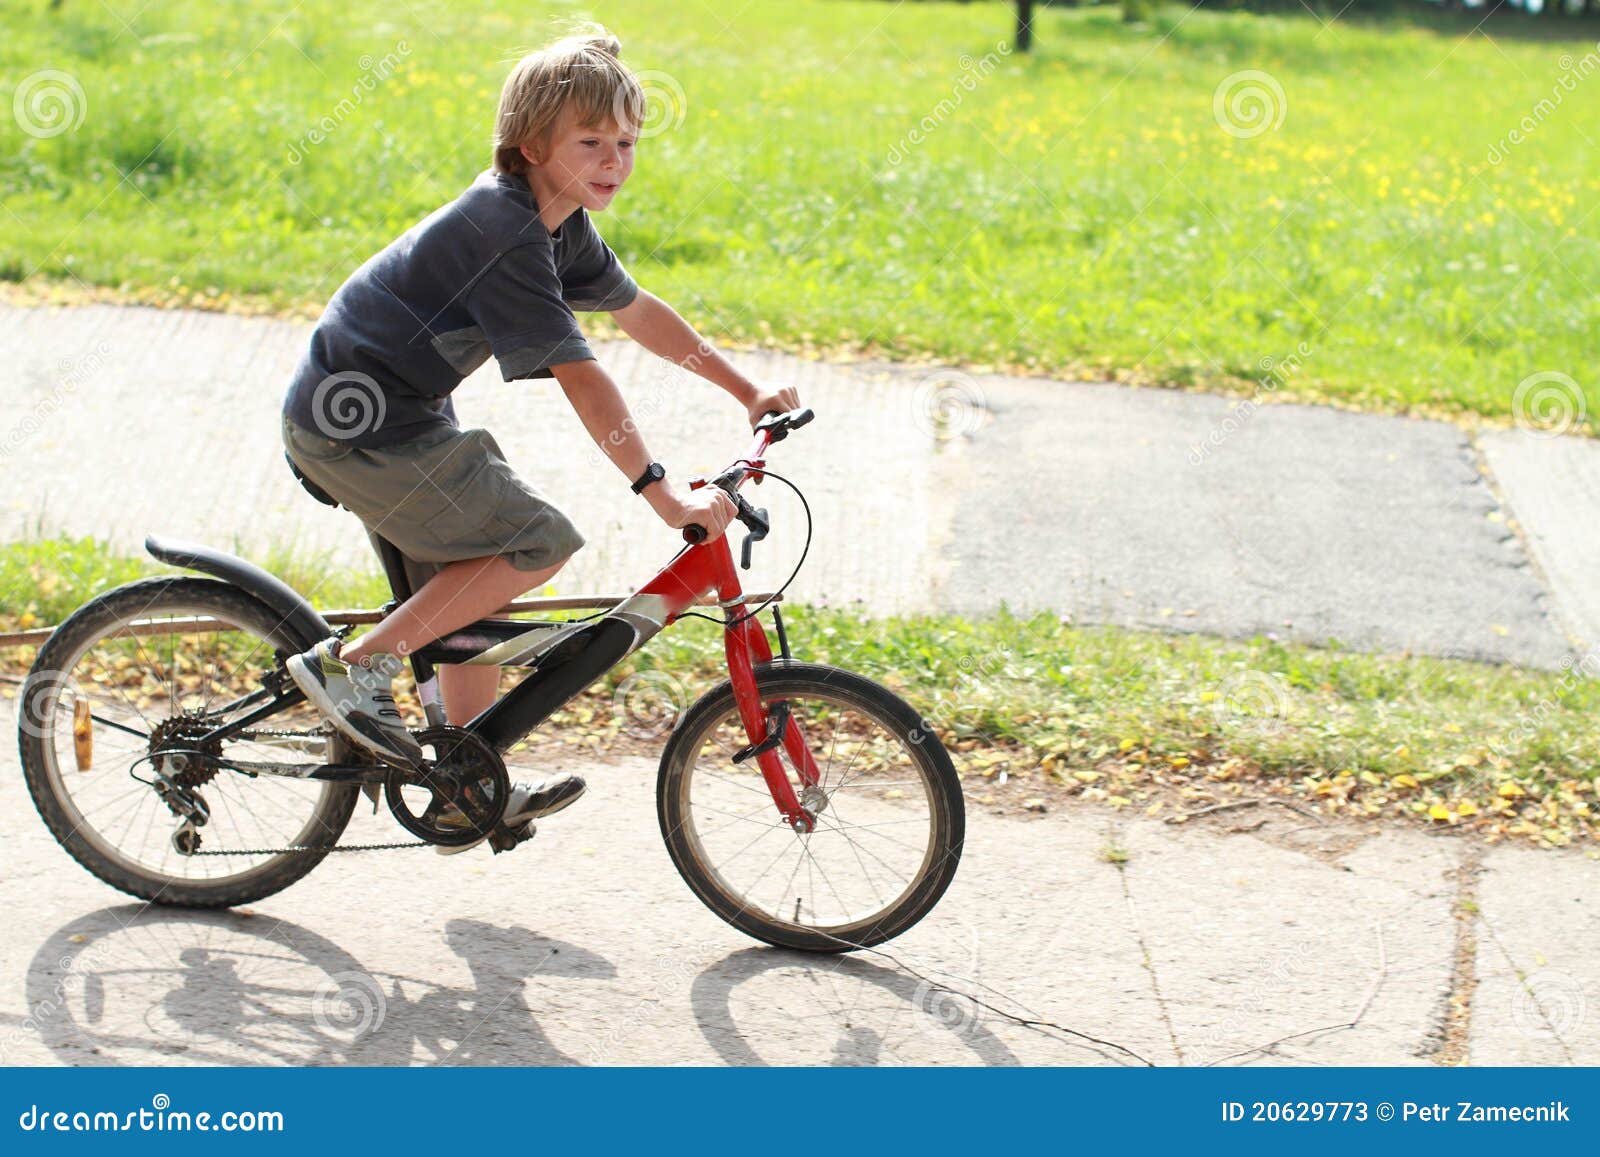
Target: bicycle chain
(284, 733)
(292, 733)
(308, 851)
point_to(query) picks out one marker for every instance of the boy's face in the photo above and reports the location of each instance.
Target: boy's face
(585, 164)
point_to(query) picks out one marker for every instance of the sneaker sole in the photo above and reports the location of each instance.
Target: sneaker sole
(530, 818)
(561, 806)
(443, 850)
(317, 694)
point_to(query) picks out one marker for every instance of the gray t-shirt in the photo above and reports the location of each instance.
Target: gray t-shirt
(480, 275)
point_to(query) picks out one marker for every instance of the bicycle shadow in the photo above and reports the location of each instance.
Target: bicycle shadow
(837, 1012)
(139, 985)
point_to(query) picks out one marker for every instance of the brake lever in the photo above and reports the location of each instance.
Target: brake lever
(753, 534)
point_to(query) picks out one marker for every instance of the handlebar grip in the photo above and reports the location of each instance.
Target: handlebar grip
(694, 534)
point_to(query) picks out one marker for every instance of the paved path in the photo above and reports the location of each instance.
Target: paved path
(583, 946)
(932, 490)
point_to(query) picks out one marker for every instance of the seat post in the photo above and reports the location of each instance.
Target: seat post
(394, 568)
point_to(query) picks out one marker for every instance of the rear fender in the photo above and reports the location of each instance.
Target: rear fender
(283, 600)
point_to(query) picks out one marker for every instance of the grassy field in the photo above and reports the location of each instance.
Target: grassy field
(833, 176)
(1162, 725)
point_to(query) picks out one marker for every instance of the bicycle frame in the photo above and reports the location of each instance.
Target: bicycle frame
(567, 657)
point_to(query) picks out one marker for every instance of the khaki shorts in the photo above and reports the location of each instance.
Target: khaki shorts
(446, 496)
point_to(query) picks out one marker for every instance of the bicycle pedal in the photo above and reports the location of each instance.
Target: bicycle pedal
(503, 839)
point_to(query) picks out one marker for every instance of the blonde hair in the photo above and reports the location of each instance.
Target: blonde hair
(582, 71)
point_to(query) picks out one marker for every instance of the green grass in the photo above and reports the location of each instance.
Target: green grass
(1126, 717)
(1080, 211)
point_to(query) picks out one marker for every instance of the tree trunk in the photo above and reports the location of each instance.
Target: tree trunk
(1024, 25)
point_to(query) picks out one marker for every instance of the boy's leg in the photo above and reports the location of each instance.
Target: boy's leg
(460, 594)
(467, 690)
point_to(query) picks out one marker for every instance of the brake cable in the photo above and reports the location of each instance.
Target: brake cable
(775, 595)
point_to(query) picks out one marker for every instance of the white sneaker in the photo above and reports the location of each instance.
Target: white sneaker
(358, 700)
(530, 800)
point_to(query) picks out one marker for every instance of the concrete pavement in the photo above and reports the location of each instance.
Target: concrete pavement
(1203, 945)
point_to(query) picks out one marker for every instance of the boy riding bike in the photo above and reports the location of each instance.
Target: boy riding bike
(368, 418)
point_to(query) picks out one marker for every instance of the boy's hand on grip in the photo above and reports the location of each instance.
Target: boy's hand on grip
(707, 507)
(767, 399)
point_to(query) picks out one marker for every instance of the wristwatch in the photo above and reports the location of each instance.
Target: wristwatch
(654, 472)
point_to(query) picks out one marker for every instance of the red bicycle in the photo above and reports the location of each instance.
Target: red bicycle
(171, 755)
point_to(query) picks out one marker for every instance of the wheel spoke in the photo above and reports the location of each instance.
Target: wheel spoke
(848, 877)
(114, 667)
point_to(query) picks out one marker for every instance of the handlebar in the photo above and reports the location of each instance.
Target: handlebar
(774, 427)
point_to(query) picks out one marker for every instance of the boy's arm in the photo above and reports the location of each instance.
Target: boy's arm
(604, 413)
(656, 325)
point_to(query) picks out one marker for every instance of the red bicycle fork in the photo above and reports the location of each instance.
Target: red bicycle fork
(746, 644)
(709, 566)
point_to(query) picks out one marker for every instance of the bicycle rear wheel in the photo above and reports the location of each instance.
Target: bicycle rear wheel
(139, 674)
(889, 830)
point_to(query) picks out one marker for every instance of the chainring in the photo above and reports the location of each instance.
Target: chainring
(467, 784)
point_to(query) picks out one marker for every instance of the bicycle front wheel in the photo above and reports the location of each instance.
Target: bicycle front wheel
(889, 814)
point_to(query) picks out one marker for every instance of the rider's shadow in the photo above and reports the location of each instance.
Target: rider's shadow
(493, 1023)
(138, 985)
